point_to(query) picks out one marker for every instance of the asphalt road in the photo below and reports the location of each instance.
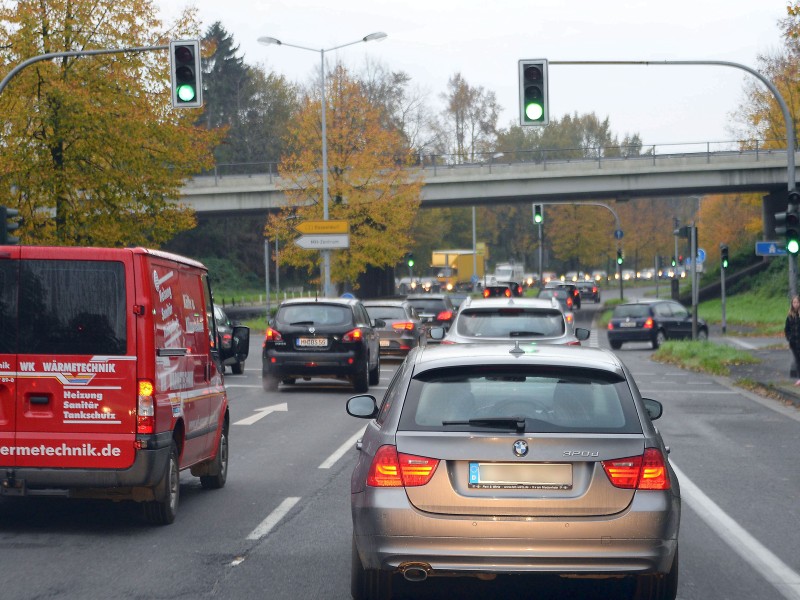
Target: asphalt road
(281, 529)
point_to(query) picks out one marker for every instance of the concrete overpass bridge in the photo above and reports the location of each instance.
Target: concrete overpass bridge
(495, 181)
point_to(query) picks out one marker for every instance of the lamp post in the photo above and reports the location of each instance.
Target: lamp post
(268, 41)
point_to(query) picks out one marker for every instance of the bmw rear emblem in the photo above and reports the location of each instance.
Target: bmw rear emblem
(520, 448)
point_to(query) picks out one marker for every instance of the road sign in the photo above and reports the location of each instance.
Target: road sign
(701, 255)
(328, 227)
(323, 241)
(770, 249)
(618, 234)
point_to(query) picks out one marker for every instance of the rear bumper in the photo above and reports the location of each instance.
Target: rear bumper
(631, 335)
(642, 539)
(311, 364)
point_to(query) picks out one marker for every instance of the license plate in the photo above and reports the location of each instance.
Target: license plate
(628, 324)
(385, 343)
(314, 342)
(520, 476)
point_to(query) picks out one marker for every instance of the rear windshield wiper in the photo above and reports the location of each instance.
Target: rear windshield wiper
(302, 323)
(524, 333)
(516, 423)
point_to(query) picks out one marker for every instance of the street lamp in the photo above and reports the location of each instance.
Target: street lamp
(268, 41)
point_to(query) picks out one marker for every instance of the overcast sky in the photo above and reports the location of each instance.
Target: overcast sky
(433, 39)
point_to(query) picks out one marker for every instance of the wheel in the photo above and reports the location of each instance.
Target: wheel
(361, 378)
(163, 509)
(702, 335)
(237, 368)
(269, 382)
(659, 586)
(368, 584)
(615, 345)
(375, 374)
(660, 338)
(219, 466)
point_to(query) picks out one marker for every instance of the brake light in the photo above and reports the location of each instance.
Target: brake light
(145, 407)
(646, 472)
(354, 335)
(392, 469)
(273, 335)
(445, 315)
(486, 293)
(507, 292)
(649, 323)
(610, 325)
(569, 301)
(404, 325)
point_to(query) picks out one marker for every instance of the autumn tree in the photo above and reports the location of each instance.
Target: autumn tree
(91, 152)
(369, 184)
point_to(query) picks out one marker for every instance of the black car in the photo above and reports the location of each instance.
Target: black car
(231, 353)
(321, 337)
(589, 290)
(653, 321)
(402, 327)
(434, 310)
(573, 290)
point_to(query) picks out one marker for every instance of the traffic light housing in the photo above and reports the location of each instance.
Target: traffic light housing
(8, 226)
(533, 99)
(724, 255)
(619, 256)
(410, 259)
(787, 223)
(674, 262)
(538, 214)
(186, 74)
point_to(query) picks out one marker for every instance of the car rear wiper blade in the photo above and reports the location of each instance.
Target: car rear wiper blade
(525, 333)
(302, 323)
(516, 423)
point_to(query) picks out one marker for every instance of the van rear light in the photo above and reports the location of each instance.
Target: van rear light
(648, 324)
(354, 335)
(646, 472)
(404, 325)
(145, 407)
(273, 335)
(445, 315)
(392, 469)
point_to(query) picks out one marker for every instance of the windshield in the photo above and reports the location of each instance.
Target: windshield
(510, 323)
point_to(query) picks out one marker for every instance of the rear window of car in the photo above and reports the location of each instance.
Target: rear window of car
(634, 311)
(510, 322)
(314, 314)
(553, 293)
(428, 305)
(550, 399)
(387, 313)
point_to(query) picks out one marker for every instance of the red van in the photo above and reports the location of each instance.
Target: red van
(110, 379)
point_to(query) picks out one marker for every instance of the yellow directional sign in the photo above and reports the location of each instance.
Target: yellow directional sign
(323, 227)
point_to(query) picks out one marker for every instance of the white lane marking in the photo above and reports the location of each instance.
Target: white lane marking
(742, 344)
(242, 385)
(686, 390)
(342, 450)
(273, 518)
(261, 413)
(774, 570)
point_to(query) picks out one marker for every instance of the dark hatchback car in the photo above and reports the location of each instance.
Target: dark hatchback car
(231, 353)
(434, 310)
(485, 459)
(574, 291)
(589, 290)
(653, 321)
(321, 337)
(402, 329)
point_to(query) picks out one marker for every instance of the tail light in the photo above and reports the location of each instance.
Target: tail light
(145, 407)
(486, 293)
(273, 335)
(390, 468)
(569, 301)
(507, 293)
(646, 472)
(403, 325)
(649, 323)
(445, 315)
(354, 335)
(610, 325)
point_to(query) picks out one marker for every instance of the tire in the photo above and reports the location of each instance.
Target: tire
(361, 378)
(660, 338)
(658, 586)
(269, 382)
(237, 368)
(702, 335)
(368, 584)
(615, 345)
(220, 464)
(375, 374)
(164, 508)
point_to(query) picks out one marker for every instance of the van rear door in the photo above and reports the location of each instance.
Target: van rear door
(76, 359)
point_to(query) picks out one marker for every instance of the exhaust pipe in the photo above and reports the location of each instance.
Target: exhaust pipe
(415, 571)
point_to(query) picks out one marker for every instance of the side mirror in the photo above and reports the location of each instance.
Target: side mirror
(241, 341)
(582, 334)
(654, 408)
(363, 407)
(378, 323)
(437, 333)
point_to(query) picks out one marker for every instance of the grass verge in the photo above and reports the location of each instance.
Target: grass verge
(706, 357)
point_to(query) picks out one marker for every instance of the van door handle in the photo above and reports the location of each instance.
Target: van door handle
(39, 399)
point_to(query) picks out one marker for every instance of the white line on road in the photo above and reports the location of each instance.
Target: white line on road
(273, 519)
(262, 412)
(774, 570)
(342, 450)
(242, 385)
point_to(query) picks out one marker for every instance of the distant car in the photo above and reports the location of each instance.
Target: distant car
(572, 288)
(589, 290)
(321, 337)
(653, 321)
(402, 328)
(229, 353)
(497, 291)
(434, 310)
(486, 459)
(524, 319)
(563, 297)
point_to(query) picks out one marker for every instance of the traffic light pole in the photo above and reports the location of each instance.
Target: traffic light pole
(787, 120)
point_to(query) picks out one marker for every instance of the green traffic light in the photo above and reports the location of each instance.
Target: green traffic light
(792, 246)
(534, 111)
(186, 93)
(411, 263)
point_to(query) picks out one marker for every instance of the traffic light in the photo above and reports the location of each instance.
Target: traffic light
(8, 226)
(410, 259)
(674, 262)
(186, 74)
(787, 223)
(538, 214)
(619, 256)
(533, 92)
(724, 252)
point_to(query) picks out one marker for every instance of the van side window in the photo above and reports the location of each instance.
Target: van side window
(72, 307)
(8, 306)
(212, 322)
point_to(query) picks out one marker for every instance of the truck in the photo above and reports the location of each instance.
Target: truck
(507, 272)
(458, 269)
